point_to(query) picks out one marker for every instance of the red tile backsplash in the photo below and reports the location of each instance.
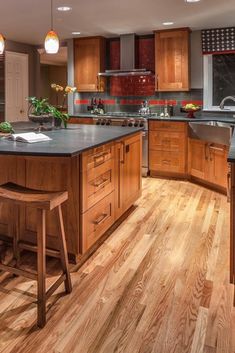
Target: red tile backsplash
(81, 101)
(146, 53)
(184, 102)
(133, 85)
(114, 55)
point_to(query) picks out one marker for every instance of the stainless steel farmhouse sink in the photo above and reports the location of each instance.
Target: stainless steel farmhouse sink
(211, 131)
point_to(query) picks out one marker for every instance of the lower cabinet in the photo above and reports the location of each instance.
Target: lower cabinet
(77, 120)
(208, 162)
(110, 183)
(128, 179)
(168, 148)
(232, 225)
(97, 220)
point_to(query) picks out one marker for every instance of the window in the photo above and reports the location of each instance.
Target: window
(219, 81)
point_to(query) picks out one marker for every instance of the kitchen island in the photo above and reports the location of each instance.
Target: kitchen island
(93, 163)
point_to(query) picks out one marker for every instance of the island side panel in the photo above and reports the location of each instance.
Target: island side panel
(55, 174)
(12, 169)
(49, 174)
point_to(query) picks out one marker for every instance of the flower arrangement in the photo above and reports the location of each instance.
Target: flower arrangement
(67, 90)
(42, 108)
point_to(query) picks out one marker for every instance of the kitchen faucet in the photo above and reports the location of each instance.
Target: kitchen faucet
(225, 99)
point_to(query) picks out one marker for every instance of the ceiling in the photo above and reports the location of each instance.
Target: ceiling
(28, 21)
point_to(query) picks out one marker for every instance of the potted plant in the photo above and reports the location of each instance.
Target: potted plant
(39, 111)
(42, 112)
(59, 116)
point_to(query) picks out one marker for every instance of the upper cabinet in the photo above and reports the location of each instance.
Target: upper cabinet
(172, 60)
(89, 59)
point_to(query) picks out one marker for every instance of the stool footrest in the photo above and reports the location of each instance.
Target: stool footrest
(55, 285)
(30, 247)
(18, 271)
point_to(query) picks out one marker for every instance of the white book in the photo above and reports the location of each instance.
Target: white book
(29, 137)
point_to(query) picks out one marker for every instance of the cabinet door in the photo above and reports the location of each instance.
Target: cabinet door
(172, 60)
(89, 56)
(198, 158)
(78, 120)
(218, 166)
(128, 181)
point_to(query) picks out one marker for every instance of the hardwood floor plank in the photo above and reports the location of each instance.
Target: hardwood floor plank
(200, 331)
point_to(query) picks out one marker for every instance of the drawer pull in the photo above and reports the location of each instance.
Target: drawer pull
(101, 183)
(100, 159)
(166, 141)
(166, 161)
(101, 219)
(216, 148)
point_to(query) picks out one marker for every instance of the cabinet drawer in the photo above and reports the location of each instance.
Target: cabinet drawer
(96, 221)
(167, 125)
(97, 183)
(167, 161)
(167, 141)
(97, 156)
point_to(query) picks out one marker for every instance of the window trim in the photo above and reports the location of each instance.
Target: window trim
(208, 87)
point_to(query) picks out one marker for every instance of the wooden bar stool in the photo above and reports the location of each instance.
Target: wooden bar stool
(16, 196)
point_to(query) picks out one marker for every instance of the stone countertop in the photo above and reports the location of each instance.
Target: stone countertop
(65, 142)
(157, 118)
(183, 119)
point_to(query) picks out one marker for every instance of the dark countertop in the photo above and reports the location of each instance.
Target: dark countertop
(65, 142)
(183, 119)
(157, 118)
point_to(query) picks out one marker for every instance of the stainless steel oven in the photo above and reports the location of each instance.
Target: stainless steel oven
(129, 120)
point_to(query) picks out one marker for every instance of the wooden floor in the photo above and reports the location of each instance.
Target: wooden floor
(159, 284)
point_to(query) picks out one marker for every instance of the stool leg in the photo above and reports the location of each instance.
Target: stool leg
(41, 264)
(63, 251)
(16, 236)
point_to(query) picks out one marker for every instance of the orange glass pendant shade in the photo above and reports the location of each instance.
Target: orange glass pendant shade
(51, 43)
(2, 44)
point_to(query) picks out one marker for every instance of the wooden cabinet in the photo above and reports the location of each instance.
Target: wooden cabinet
(232, 225)
(128, 180)
(110, 184)
(89, 59)
(172, 60)
(78, 120)
(218, 166)
(167, 148)
(208, 162)
(197, 158)
(96, 221)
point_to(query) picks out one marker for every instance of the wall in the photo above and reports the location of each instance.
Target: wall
(127, 93)
(52, 74)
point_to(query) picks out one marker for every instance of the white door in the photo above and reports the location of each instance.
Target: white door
(16, 86)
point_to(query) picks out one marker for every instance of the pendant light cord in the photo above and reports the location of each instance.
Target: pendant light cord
(52, 25)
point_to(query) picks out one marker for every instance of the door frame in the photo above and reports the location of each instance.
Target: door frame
(25, 56)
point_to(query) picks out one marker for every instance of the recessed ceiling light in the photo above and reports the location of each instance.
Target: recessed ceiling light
(168, 23)
(192, 0)
(64, 8)
(76, 33)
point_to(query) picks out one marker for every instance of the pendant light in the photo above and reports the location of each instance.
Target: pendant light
(51, 43)
(2, 44)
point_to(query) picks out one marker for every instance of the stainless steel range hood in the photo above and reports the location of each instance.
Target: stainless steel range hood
(128, 59)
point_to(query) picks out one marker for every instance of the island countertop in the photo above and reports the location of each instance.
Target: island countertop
(65, 142)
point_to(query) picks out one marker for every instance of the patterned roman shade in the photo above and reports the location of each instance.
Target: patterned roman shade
(218, 41)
